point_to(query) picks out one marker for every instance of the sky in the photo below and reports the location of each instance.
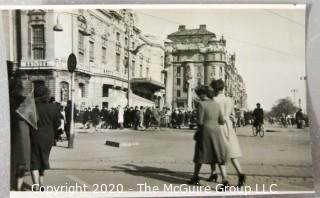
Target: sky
(269, 45)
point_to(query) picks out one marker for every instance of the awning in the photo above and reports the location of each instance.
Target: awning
(147, 82)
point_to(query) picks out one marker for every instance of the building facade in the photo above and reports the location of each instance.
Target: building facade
(111, 51)
(206, 54)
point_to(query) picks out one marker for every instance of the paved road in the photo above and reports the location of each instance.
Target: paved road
(165, 157)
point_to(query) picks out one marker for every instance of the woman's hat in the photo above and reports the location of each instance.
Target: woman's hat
(42, 93)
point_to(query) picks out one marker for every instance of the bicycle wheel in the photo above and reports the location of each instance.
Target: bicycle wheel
(254, 131)
(261, 132)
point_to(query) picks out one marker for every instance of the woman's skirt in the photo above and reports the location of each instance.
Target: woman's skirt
(231, 140)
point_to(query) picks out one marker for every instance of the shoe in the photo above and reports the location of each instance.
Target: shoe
(242, 180)
(224, 186)
(194, 181)
(213, 177)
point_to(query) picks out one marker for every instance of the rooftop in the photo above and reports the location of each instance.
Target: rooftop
(182, 31)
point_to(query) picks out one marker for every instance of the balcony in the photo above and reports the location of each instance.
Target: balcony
(147, 82)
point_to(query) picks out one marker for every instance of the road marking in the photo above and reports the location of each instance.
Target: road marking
(79, 181)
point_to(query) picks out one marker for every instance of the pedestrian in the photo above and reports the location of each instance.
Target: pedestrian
(147, 117)
(20, 137)
(42, 139)
(210, 147)
(299, 119)
(180, 119)
(86, 118)
(120, 116)
(95, 117)
(60, 129)
(229, 136)
(136, 118)
(141, 124)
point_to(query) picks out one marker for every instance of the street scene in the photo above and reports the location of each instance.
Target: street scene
(155, 157)
(147, 100)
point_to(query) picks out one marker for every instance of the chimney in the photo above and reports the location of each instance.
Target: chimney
(203, 27)
(182, 27)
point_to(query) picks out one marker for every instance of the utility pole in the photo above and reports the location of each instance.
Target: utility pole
(294, 91)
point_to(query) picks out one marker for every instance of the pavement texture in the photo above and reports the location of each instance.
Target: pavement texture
(163, 157)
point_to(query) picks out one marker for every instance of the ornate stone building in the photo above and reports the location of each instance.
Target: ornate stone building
(209, 59)
(110, 49)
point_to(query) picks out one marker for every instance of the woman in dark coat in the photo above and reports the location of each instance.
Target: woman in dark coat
(43, 138)
(20, 137)
(210, 148)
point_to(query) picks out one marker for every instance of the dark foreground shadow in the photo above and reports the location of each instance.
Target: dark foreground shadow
(161, 174)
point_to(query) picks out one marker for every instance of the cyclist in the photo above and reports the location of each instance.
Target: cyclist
(258, 117)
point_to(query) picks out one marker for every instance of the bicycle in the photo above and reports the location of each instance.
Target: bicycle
(258, 129)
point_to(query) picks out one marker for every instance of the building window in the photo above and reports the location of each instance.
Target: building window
(118, 36)
(147, 72)
(38, 43)
(140, 72)
(178, 93)
(81, 47)
(178, 81)
(104, 55)
(80, 41)
(126, 63)
(105, 90)
(126, 41)
(81, 92)
(133, 45)
(133, 67)
(220, 73)
(91, 51)
(117, 62)
(179, 71)
(81, 57)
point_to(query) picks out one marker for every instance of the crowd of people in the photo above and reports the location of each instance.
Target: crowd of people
(138, 117)
(299, 119)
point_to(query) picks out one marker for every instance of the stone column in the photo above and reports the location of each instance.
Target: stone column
(168, 71)
(189, 69)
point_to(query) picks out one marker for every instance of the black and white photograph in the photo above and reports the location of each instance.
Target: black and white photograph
(180, 100)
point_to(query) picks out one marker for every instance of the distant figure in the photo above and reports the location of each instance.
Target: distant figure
(120, 116)
(148, 117)
(67, 111)
(136, 118)
(95, 117)
(300, 119)
(86, 118)
(258, 115)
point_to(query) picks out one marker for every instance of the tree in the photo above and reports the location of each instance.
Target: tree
(283, 105)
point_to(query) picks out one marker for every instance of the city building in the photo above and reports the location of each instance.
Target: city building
(200, 52)
(11, 30)
(111, 51)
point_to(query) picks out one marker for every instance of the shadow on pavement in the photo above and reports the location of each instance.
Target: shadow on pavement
(162, 174)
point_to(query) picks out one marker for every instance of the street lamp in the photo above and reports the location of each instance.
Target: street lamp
(72, 63)
(294, 91)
